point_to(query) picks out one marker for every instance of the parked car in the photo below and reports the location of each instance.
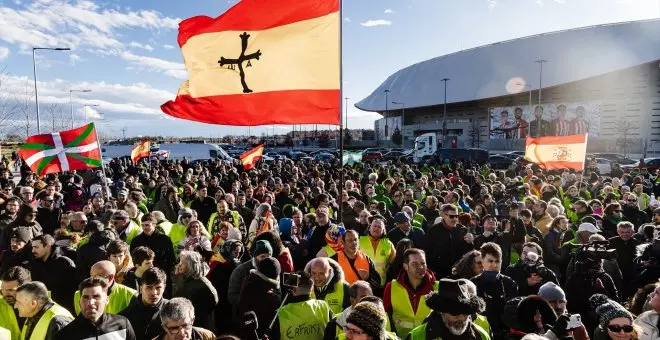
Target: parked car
(651, 164)
(604, 166)
(374, 156)
(500, 162)
(394, 155)
(325, 157)
(616, 157)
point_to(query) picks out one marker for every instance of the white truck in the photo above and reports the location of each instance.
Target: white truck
(425, 146)
(191, 151)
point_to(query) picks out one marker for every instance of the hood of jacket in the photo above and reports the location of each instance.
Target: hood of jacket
(338, 273)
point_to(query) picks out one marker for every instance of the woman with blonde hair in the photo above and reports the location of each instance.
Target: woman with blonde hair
(197, 239)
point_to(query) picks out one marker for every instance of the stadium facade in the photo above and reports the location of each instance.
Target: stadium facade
(602, 79)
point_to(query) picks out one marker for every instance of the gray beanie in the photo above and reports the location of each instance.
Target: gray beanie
(551, 292)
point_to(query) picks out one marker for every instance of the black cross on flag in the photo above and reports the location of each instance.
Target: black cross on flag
(232, 63)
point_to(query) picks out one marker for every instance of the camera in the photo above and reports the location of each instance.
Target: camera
(290, 280)
(593, 253)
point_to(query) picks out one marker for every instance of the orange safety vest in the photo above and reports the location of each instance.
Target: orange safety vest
(361, 262)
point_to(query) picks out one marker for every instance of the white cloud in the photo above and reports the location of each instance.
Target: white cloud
(4, 53)
(169, 47)
(170, 68)
(379, 22)
(142, 46)
(347, 19)
(74, 58)
(51, 23)
(389, 11)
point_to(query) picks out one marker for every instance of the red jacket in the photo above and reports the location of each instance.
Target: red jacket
(286, 261)
(414, 296)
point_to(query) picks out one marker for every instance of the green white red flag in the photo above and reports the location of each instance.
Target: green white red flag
(76, 149)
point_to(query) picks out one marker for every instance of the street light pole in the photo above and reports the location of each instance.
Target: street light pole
(71, 103)
(346, 112)
(89, 105)
(444, 113)
(538, 120)
(386, 118)
(34, 68)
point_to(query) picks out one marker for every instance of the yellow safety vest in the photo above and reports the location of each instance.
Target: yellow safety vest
(120, 297)
(176, 233)
(335, 299)
(41, 329)
(304, 320)
(329, 250)
(402, 312)
(419, 333)
(8, 319)
(234, 215)
(380, 256)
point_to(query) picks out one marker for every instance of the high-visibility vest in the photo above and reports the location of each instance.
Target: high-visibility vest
(403, 316)
(417, 220)
(482, 322)
(380, 255)
(120, 297)
(131, 231)
(304, 320)
(419, 333)
(234, 215)
(41, 328)
(334, 299)
(8, 320)
(361, 263)
(329, 250)
(176, 232)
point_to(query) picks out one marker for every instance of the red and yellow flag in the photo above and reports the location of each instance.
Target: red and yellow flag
(141, 150)
(75, 149)
(562, 152)
(249, 158)
(262, 62)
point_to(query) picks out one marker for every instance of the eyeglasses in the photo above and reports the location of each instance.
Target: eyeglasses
(186, 216)
(618, 329)
(349, 330)
(177, 329)
(452, 216)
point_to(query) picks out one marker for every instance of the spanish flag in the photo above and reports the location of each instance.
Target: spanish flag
(561, 152)
(249, 158)
(141, 150)
(262, 62)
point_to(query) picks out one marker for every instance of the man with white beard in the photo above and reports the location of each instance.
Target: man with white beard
(452, 308)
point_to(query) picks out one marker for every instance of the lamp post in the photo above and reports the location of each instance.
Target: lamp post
(403, 116)
(444, 113)
(538, 121)
(346, 112)
(34, 67)
(71, 102)
(386, 118)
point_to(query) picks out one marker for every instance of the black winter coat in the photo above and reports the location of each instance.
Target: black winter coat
(259, 295)
(162, 247)
(519, 273)
(110, 324)
(58, 274)
(145, 319)
(445, 247)
(92, 252)
(202, 295)
(21, 258)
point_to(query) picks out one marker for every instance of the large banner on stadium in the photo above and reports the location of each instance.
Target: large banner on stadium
(560, 119)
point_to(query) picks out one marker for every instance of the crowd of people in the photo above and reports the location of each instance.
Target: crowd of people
(299, 250)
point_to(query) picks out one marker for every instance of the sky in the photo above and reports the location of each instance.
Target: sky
(126, 52)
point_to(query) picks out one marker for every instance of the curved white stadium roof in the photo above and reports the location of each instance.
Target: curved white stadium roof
(484, 72)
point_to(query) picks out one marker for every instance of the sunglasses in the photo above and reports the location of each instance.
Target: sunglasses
(452, 216)
(618, 329)
(186, 216)
(632, 201)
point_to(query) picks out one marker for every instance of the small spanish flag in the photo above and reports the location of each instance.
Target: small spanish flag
(561, 152)
(141, 150)
(250, 158)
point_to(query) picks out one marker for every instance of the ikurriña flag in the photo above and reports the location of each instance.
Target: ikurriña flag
(75, 149)
(561, 152)
(262, 62)
(249, 158)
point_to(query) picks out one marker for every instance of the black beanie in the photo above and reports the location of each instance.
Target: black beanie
(270, 268)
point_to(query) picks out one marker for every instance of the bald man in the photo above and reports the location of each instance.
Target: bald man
(119, 295)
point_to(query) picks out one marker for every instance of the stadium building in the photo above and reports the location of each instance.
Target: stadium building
(601, 79)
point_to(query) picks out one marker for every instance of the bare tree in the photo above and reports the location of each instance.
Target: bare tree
(474, 133)
(25, 109)
(54, 112)
(625, 129)
(7, 104)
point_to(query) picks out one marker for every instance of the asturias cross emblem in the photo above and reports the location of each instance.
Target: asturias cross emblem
(231, 63)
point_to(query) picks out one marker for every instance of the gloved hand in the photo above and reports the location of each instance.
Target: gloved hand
(560, 325)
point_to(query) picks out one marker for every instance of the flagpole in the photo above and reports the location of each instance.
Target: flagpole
(104, 185)
(341, 110)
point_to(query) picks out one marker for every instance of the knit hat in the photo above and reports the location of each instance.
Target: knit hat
(22, 234)
(262, 247)
(370, 318)
(234, 234)
(270, 269)
(608, 309)
(401, 217)
(551, 292)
